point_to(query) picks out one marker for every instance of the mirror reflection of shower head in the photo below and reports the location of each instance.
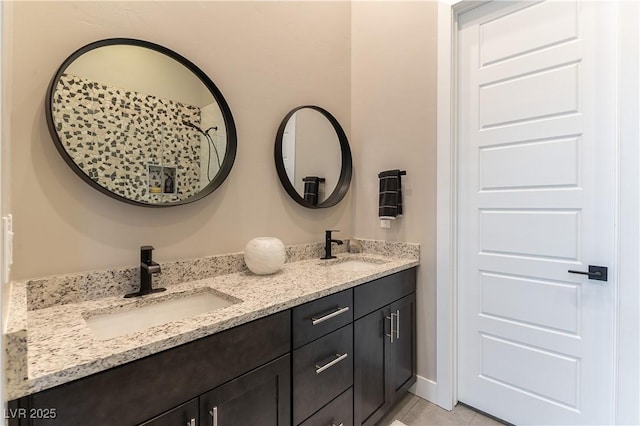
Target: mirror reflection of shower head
(210, 144)
(193, 126)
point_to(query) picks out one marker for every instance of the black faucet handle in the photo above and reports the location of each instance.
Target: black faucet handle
(327, 243)
(148, 268)
(145, 253)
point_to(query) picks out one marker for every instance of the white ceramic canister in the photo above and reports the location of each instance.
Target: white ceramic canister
(264, 255)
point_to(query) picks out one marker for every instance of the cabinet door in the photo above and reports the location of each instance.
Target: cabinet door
(370, 367)
(384, 367)
(258, 398)
(402, 352)
(183, 415)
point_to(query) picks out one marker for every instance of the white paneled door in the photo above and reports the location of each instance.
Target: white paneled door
(536, 187)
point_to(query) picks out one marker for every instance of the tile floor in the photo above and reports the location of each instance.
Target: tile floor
(415, 411)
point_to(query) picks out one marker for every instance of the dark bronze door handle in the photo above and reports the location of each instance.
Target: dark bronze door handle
(598, 273)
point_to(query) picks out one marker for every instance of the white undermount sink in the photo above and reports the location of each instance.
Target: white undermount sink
(354, 265)
(130, 320)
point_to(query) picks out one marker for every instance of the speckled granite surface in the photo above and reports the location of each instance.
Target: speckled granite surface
(50, 346)
(73, 288)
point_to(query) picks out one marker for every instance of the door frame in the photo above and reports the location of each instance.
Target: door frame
(627, 316)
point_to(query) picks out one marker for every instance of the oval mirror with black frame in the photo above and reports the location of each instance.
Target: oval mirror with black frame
(313, 159)
(141, 123)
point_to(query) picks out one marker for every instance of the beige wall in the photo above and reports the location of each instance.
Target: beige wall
(5, 165)
(265, 57)
(7, 60)
(371, 64)
(393, 122)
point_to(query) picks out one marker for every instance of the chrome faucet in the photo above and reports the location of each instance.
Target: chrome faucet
(148, 268)
(327, 243)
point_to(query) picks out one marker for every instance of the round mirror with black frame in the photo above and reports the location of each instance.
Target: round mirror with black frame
(312, 156)
(141, 123)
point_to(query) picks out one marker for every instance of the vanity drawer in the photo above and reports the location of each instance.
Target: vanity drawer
(378, 293)
(322, 370)
(337, 412)
(322, 316)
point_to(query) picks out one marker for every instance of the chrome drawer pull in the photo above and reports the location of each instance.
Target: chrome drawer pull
(321, 368)
(316, 320)
(214, 414)
(390, 335)
(333, 424)
(192, 422)
(398, 324)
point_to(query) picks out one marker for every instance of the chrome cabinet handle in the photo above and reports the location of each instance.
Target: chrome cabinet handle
(192, 422)
(316, 320)
(333, 424)
(337, 359)
(390, 334)
(214, 414)
(398, 324)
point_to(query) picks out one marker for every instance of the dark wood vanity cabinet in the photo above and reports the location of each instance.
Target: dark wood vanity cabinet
(381, 351)
(259, 398)
(153, 386)
(335, 360)
(384, 345)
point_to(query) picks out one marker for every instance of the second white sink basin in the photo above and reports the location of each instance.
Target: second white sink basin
(354, 265)
(126, 321)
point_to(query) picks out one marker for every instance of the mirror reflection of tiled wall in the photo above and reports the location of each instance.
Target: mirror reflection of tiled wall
(114, 134)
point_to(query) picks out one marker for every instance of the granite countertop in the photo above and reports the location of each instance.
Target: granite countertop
(54, 345)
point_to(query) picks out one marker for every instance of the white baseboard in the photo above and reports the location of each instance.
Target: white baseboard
(425, 389)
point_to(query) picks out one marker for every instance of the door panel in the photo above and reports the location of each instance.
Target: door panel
(556, 95)
(529, 29)
(528, 369)
(403, 349)
(370, 366)
(517, 166)
(536, 198)
(510, 297)
(509, 232)
(258, 398)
